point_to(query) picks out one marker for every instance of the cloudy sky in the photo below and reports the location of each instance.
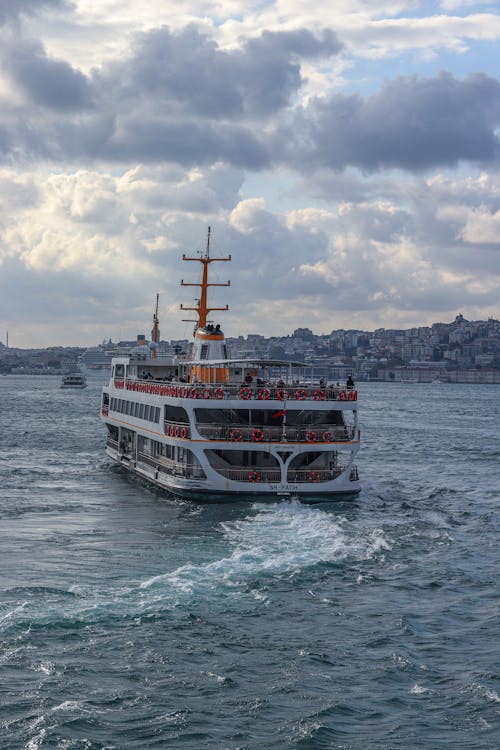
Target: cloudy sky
(346, 154)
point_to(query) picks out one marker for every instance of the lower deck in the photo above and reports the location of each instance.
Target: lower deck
(192, 469)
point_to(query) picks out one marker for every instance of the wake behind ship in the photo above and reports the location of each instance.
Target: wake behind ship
(208, 427)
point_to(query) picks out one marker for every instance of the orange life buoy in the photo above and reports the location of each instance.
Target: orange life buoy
(311, 436)
(245, 393)
(183, 432)
(300, 395)
(206, 393)
(177, 431)
(264, 394)
(319, 395)
(218, 393)
(351, 396)
(185, 392)
(327, 437)
(257, 435)
(194, 392)
(236, 435)
(170, 430)
(313, 476)
(282, 394)
(342, 395)
(253, 476)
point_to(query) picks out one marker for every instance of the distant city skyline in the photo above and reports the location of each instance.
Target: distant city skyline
(347, 158)
(176, 336)
(461, 351)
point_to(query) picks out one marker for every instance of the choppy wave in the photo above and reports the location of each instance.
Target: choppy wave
(280, 540)
(130, 619)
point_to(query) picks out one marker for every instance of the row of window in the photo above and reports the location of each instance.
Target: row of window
(135, 409)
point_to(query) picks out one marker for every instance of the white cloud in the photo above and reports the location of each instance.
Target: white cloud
(126, 129)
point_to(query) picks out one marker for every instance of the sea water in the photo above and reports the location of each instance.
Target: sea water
(132, 619)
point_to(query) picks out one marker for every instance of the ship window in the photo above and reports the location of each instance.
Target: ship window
(204, 351)
(176, 414)
(119, 371)
(141, 411)
(224, 351)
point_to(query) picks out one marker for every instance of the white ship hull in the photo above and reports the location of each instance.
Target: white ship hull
(220, 461)
(224, 490)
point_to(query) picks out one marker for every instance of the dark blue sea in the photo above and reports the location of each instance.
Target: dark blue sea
(132, 619)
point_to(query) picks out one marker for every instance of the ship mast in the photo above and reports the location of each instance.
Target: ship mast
(202, 308)
(155, 335)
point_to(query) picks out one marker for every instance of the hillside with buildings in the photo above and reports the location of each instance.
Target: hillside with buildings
(462, 351)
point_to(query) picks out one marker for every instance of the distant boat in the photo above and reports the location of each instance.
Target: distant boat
(74, 380)
(436, 381)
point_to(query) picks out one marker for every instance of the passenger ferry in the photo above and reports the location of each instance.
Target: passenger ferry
(74, 380)
(207, 427)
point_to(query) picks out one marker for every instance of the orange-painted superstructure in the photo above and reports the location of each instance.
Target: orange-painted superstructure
(208, 341)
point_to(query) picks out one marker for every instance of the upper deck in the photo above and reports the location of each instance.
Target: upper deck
(260, 380)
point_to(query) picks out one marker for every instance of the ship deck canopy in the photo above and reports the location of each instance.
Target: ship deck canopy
(244, 362)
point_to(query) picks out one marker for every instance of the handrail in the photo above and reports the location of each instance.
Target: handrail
(249, 474)
(254, 474)
(288, 392)
(236, 433)
(314, 476)
(171, 467)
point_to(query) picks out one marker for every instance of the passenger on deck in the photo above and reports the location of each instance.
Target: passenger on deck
(349, 383)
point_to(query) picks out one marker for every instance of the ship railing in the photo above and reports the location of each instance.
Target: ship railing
(310, 475)
(225, 391)
(256, 434)
(161, 463)
(313, 476)
(249, 474)
(112, 443)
